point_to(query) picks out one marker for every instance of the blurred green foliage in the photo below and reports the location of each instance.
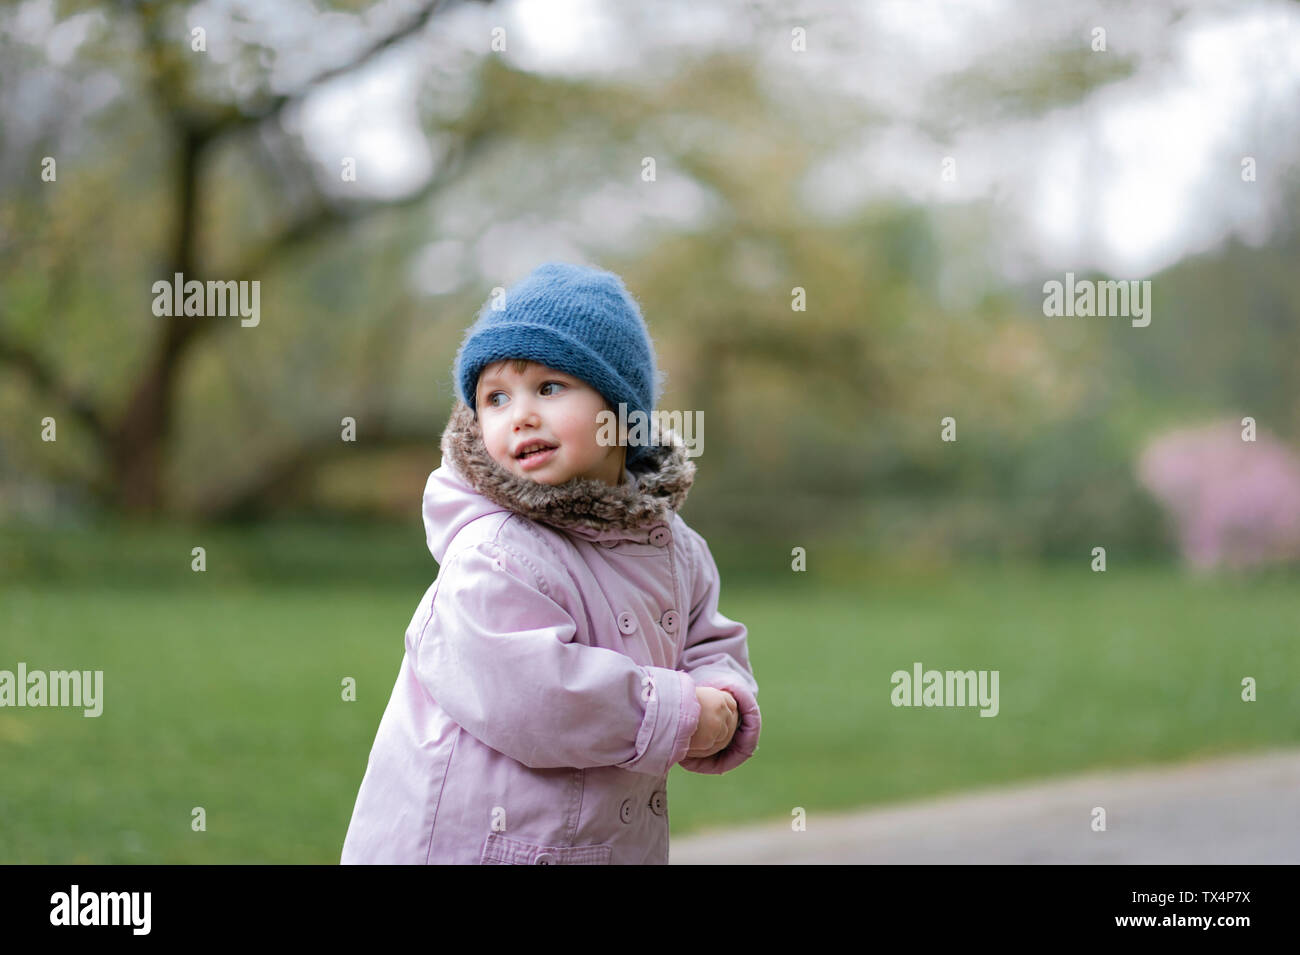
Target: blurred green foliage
(819, 424)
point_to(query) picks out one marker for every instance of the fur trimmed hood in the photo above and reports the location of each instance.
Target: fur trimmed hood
(652, 491)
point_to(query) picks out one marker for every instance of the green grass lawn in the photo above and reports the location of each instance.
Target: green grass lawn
(222, 690)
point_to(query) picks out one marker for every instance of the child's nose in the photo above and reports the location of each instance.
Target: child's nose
(526, 413)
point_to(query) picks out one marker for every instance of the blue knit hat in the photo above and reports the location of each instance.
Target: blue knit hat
(573, 318)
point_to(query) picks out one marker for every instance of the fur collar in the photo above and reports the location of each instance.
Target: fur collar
(657, 488)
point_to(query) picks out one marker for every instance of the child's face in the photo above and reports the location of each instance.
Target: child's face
(546, 405)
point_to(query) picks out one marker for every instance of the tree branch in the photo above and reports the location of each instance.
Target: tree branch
(279, 480)
(236, 117)
(327, 218)
(214, 121)
(43, 377)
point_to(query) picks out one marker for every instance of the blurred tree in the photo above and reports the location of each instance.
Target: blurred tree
(195, 125)
(806, 410)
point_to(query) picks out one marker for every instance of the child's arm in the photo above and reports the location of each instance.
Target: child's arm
(716, 654)
(496, 654)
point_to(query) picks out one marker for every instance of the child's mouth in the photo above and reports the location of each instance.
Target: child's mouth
(535, 459)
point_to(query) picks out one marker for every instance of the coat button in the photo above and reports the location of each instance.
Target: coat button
(659, 802)
(660, 535)
(669, 621)
(625, 810)
(544, 858)
(627, 622)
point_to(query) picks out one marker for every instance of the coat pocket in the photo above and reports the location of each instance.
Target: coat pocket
(500, 850)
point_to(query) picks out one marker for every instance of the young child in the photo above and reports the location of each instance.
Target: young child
(570, 651)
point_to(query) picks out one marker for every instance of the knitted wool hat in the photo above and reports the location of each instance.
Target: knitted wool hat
(573, 318)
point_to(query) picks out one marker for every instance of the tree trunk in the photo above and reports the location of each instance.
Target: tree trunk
(138, 441)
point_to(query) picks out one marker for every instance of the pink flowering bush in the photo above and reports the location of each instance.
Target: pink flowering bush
(1234, 502)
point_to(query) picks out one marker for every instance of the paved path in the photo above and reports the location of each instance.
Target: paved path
(1236, 810)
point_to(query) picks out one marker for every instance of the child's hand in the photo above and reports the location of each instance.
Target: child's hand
(717, 722)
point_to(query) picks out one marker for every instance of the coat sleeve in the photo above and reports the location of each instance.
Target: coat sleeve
(497, 654)
(716, 654)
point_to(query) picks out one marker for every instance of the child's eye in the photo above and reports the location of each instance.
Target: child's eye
(493, 404)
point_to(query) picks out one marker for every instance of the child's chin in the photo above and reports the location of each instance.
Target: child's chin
(547, 478)
(543, 476)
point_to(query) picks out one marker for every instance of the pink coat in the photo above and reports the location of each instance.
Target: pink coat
(549, 679)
